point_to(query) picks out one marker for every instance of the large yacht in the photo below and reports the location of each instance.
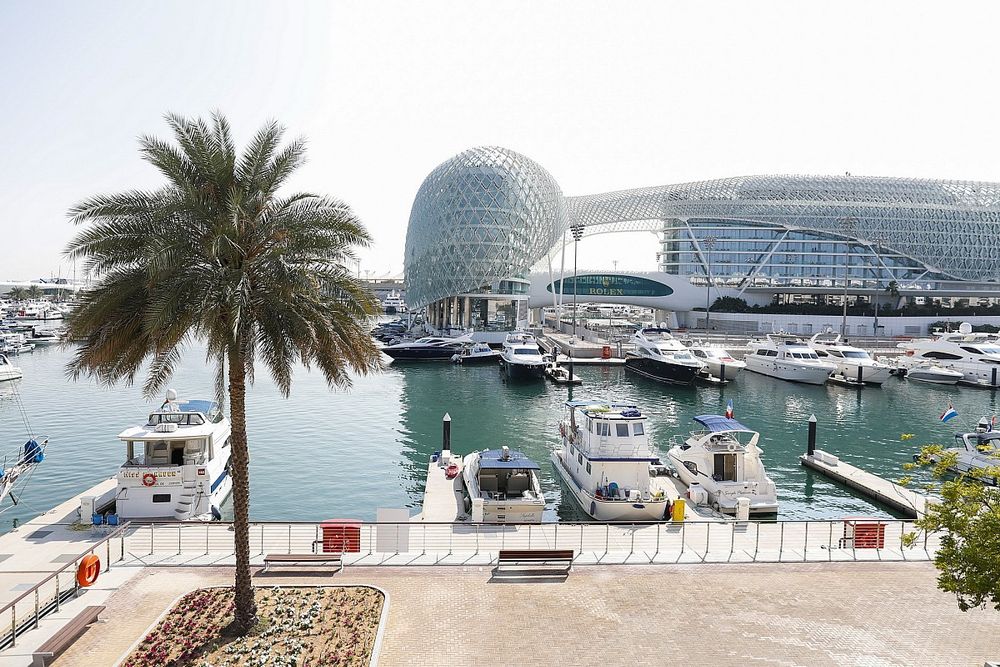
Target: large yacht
(660, 356)
(393, 303)
(503, 487)
(720, 464)
(429, 348)
(9, 371)
(787, 358)
(177, 464)
(975, 355)
(521, 357)
(605, 461)
(853, 364)
(718, 362)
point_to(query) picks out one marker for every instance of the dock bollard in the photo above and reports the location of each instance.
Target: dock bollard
(811, 447)
(446, 436)
(571, 364)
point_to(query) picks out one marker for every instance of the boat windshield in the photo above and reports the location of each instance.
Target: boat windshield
(989, 349)
(856, 354)
(526, 350)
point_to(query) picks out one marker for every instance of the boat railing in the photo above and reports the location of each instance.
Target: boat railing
(611, 449)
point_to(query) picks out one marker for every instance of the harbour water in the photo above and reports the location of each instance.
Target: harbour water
(324, 454)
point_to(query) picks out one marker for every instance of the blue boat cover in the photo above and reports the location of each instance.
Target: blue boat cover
(491, 459)
(716, 423)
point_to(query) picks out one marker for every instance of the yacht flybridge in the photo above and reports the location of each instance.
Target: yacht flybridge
(503, 487)
(975, 355)
(177, 463)
(854, 365)
(721, 466)
(605, 461)
(660, 356)
(787, 358)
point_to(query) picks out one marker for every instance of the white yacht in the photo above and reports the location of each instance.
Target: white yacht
(503, 487)
(979, 450)
(177, 463)
(932, 374)
(521, 357)
(787, 358)
(659, 356)
(9, 371)
(393, 303)
(719, 364)
(853, 364)
(975, 355)
(476, 353)
(721, 464)
(605, 461)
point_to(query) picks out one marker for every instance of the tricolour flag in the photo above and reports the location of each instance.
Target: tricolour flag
(949, 413)
(729, 409)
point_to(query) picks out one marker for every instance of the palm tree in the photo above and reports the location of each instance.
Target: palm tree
(216, 255)
(34, 292)
(18, 294)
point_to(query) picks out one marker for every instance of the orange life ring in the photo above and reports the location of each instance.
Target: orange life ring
(451, 472)
(89, 570)
(149, 479)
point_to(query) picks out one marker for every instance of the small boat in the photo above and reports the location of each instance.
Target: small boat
(787, 358)
(659, 356)
(854, 365)
(429, 348)
(9, 371)
(177, 463)
(503, 487)
(560, 374)
(721, 465)
(476, 353)
(933, 374)
(979, 450)
(19, 465)
(521, 358)
(605, 461)
(975, 355)
(720, 366)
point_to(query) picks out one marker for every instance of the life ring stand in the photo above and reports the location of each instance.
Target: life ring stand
(89, 570)
(148, 479)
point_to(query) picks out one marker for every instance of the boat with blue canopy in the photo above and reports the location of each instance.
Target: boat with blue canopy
(503, 487)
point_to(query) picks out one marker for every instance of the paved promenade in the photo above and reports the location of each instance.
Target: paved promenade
(747, 614)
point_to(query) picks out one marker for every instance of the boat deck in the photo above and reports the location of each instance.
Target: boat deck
(442, 496)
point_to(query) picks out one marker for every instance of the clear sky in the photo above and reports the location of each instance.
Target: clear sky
(604, 95)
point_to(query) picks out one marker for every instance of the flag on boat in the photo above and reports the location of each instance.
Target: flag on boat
(729, 409)
(949, 413)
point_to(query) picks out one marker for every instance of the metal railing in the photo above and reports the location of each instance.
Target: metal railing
(429, 543)
(48, 595)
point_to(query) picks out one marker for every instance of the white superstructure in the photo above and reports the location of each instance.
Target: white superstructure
(975, 355)
(177, 463)
(605, 461)
(521, 357)
(721, 465)
(787, 358)
(718, 362)
(503, 487)
(853, 364)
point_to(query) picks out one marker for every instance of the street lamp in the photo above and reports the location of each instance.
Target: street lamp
(709, 243)
(577, 235)
(878, 240)
(847, 228)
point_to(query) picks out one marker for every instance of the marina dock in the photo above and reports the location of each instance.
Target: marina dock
(903, 500)
(443, 497)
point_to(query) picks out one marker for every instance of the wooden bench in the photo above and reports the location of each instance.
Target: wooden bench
(301, 559)
(546, 558)
(65, 636)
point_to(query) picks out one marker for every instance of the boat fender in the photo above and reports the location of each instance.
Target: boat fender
(149, 479)
(89, 570)
(593, 509)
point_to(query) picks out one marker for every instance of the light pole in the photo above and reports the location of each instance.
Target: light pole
(847, 227)
(878, 241)
(577, 235)
(709, 243)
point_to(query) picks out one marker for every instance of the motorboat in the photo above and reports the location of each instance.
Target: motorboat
(428, 348)
(932, 373)
(521, 358)
(975, 355)
(9, 371)
(560, 374)
(977, 451)
(393, 303)
(177, 463)
(721, 465)
(719, 363)
(659, 356)
(605, 459)
(503, 487)
(43, 338)
(476, 353)
(854, 365)
(787, 358)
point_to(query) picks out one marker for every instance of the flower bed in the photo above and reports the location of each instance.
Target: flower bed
(299, 627)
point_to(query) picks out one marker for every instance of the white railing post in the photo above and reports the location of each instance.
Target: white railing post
(829, 544)
(781, 542)
(805, 546)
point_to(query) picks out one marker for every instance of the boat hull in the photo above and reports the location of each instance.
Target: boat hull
(418, 354)
(515, 371)
(724, 501)
(662, 372)
(783, 371)
(608, 510)
(874, 375)
(932, 377)
(484, 360)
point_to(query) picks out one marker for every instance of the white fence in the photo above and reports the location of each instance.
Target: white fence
(424, 543)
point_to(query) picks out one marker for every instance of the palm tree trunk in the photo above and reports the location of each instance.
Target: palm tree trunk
(246, 608)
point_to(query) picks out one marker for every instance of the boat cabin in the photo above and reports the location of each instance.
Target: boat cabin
(179, 433)
(504, 474)
(725, 442)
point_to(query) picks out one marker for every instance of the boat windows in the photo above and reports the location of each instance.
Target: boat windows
(526, 350)
(161, 497)
(935, 354)
(638, 429)
(700, 354)
(621, 430)
(604, 429)
(692, 466)
(588, 467)
(856, 354)
(970, 349)
(579, 458)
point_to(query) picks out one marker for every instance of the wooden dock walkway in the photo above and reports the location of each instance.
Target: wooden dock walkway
(909, 503)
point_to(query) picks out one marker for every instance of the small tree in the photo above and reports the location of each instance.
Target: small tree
(967, 516)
